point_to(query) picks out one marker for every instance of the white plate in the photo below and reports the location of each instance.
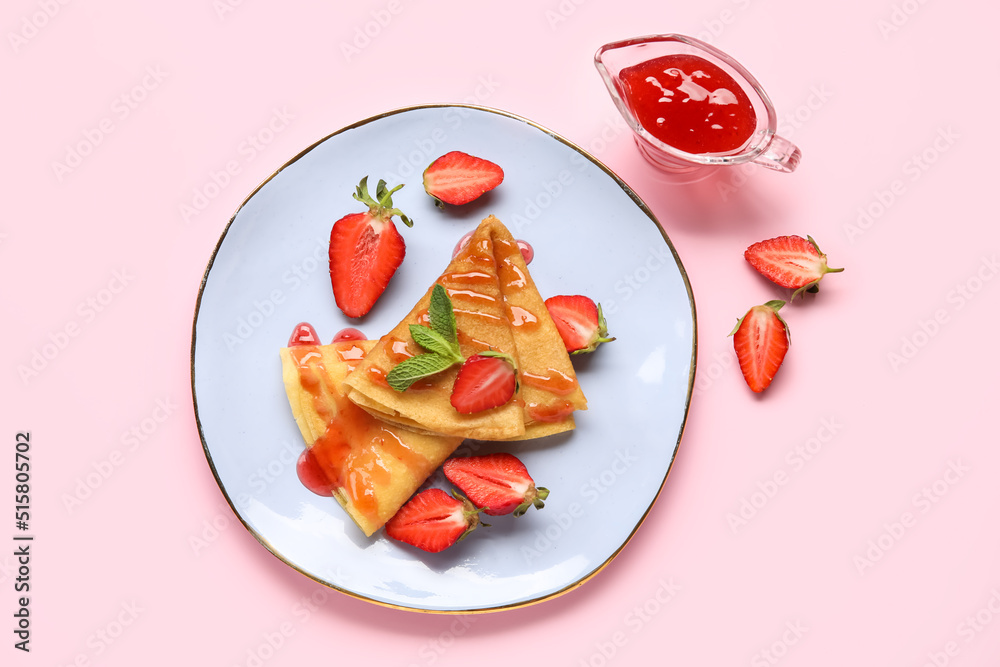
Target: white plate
(591, 236)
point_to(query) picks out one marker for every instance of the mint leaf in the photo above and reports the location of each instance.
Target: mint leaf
(432, 341)
(442, 315)
(423, 365)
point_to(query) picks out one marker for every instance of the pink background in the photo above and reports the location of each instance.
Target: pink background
(877, 549)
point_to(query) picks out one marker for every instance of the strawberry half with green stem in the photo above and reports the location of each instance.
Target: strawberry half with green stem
(432, 520)
(458, 178)
(365, 250)
(486, 380)
(499, 483)
(580, 322)
(790, 261)
(761, 340)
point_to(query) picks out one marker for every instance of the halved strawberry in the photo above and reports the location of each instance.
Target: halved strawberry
(499, 483)
(365, 250)
(485, 380)
(579, 321)
(790, 261)
(761, 340)
(458, 178)
(432, 520)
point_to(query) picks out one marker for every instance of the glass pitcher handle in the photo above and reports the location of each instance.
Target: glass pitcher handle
(781, 155)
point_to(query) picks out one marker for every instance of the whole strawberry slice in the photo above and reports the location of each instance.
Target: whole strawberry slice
(458, 178)
(499, 483)
(580, 322)
(761, 340)
(790, 261)
(485, 380)
(366, 250)
(432, 520)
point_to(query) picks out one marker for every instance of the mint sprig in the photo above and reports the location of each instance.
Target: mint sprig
(432, 341)
(442, 315)
(416, 368)
(440, 340)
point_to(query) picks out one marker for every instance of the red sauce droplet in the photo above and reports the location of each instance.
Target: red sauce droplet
(311, 474)
(526, 251)
(690, 103)
(462, 242)
(349, 334)
(303, 334)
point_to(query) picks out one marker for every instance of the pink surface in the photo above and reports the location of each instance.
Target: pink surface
(842, 518)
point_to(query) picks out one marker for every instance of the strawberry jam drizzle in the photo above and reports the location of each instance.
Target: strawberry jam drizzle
(378, 376)
(352, 355)
(555, 382)
(489, 317)
(511, 277)
(467, 278)
(550, 412)
(352, 455)
(397, 350)
(474, 345)
(469, 295)
(522, 318)
(527, 251)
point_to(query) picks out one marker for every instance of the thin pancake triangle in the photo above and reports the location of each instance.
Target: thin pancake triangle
(373, 467)
(498, 307)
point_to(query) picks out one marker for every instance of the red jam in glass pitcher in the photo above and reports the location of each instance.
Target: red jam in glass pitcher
(690, 103)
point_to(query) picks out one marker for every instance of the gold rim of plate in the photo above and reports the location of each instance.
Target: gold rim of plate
(687, 404)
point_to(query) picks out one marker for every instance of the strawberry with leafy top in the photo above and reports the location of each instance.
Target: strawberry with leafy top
(761, 340)
(458, 178)
(432, 520)
(790, 261)
(499, 483)
(580, 322)
(365, 250)
(486, 380)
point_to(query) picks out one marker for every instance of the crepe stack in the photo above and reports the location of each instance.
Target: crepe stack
(497, 307)
(373, 466)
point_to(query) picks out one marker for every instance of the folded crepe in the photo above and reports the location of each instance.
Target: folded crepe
(497, 307)
(373, 467)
